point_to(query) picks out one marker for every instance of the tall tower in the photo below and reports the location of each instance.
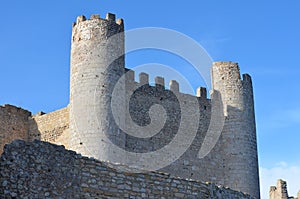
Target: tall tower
(238, 139)
(97, 63)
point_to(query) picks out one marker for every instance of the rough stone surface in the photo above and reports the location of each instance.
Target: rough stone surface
(43, 170)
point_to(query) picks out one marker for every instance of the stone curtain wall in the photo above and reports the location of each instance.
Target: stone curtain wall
(43, 170)
(13, 124)
(52, 127)
(208, 169)
(233, 157)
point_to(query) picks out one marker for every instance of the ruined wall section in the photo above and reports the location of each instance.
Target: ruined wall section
(280, 191)
(52, 127)
(29, 170)
(13, 124)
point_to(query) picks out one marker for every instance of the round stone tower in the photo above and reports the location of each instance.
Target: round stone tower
(97, 63)
(238, 138)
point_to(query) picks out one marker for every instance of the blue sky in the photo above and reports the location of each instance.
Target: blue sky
(262, 36)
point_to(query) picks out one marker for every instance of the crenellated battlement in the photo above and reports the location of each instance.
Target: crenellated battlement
(159, 82)
(201, 92)
(96, 28)
(96, 17)
(174, 86)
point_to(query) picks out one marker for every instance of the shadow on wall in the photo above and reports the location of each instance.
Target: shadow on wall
(51, 127)
(33, 129)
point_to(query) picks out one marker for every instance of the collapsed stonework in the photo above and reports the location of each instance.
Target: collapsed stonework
(280, 191)
(97, 64)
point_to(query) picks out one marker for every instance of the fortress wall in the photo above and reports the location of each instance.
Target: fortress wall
(209, 168)
(82, 177)
(13, 124)
(50, 127)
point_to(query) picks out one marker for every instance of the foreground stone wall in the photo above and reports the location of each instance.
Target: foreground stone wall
(43, 170)
(13, 124)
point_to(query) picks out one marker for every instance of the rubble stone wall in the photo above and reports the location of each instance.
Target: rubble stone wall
(44, 170)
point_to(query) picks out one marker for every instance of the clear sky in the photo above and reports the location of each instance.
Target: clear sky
(262, 36)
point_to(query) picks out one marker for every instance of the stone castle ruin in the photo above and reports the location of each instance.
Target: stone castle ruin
(89, 126)
(280, 191)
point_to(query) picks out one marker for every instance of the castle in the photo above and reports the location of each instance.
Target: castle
(90, 126)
